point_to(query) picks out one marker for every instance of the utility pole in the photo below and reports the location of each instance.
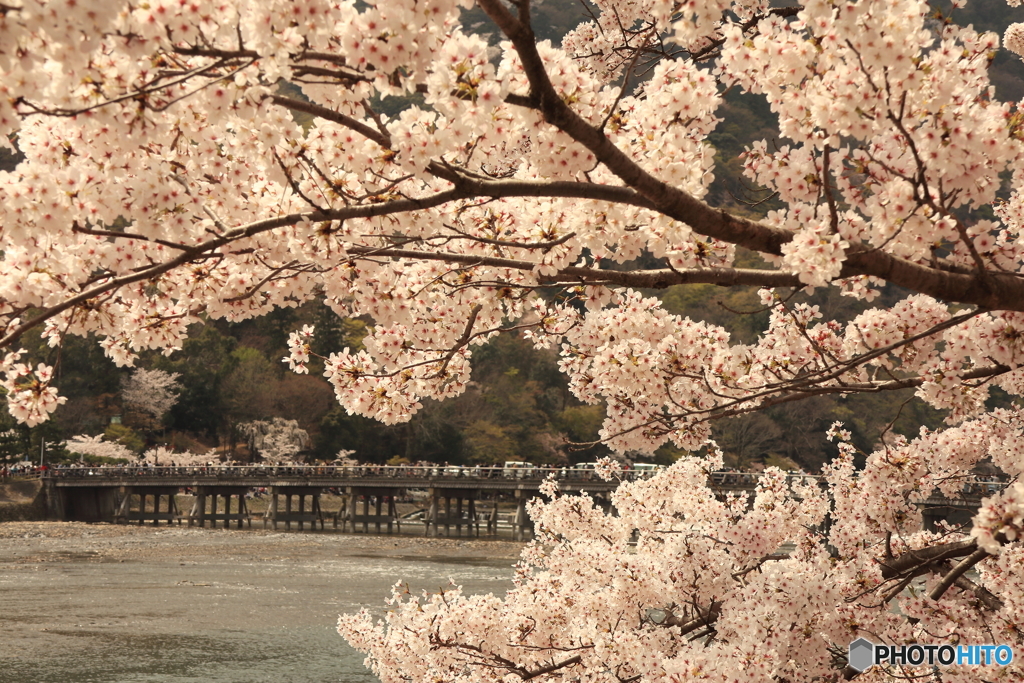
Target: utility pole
(42, 450)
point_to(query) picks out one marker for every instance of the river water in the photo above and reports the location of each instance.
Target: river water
(201, 606)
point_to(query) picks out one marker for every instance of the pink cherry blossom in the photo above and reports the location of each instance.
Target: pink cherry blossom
(166, 178)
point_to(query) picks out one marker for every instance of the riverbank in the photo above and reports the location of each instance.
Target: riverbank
(22, 500)
(45, 542)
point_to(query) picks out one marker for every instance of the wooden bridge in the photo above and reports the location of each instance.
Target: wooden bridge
(148, 494)
(453, 495)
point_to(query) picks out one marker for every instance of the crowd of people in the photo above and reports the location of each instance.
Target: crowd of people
(419, 470)
(978, 485)
(22, 470)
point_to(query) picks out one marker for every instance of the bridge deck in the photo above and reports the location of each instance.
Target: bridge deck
(498, 479)
(404, 477)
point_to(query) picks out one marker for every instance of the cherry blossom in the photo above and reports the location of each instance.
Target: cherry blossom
(1013, 39)
(151, 391)
(98, 446)
(31, 398)
(1002, 515)
(167, 176)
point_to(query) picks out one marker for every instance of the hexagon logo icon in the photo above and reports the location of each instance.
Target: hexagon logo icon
(861, 655)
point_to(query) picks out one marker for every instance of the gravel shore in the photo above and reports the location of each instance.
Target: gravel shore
(41, 542)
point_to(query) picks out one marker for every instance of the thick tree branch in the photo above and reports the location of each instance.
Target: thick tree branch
(921, 561)
(991, 290)
(669, 200)
(466, 188)
(554, 666)
(649, 279)
(926, 560)
(987, 598)
(705, 617)
(950, 578)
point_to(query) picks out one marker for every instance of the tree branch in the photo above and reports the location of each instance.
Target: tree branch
(987, 598)
(249, 230)
(922, 559)
(555, 666)
(852, 388)
(648, 279)
(466, 188)
(991, 290)
(958, 571)
(335, 116)
(705, 617)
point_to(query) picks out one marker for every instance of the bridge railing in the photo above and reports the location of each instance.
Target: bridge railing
(341, 472)
(972, 486)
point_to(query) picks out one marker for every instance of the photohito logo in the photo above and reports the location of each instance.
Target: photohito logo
(864, 654)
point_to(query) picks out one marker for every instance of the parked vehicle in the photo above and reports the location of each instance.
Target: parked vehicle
(515, 469)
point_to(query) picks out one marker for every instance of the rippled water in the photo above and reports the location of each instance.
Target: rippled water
(214, 620)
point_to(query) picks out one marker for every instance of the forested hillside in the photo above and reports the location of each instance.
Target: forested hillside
(517, 409)
(518, 406)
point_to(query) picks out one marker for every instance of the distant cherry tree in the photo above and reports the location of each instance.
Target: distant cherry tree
(276, 440)
(97, 446)
(165, 457)
(153, 392)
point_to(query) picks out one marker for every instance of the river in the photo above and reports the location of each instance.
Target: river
(84, 604)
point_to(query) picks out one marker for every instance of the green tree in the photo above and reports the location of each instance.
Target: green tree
(246, 391)
(490, 444)
(202, 363)
(126, 436)
(15, 438)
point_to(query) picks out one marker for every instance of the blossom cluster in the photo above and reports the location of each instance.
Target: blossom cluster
(31, 397)
(1000, 520)
(1013, 39)
(696, 575)
(865, 165)
(298, 349)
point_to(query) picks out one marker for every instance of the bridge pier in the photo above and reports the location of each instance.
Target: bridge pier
(521, 522)
(350, 515)
(83, 504)
(465, 512)
(301, 515)
(200, 514)
(125, 513)
(56, 501)
(492, 521)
